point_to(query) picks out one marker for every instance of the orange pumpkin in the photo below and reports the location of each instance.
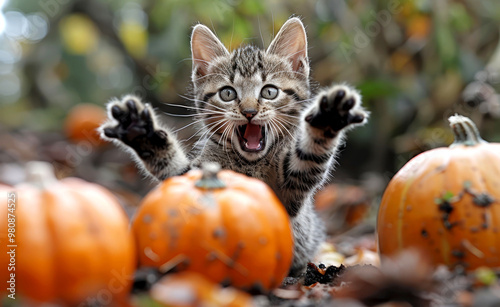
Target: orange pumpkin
(229, 227)
(71, 242)
(82, 122)
(188, 289)
(446, 202)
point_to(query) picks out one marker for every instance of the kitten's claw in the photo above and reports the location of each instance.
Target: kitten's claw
(338, 108)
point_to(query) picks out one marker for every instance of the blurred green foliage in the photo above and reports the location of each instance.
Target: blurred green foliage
(410, 59)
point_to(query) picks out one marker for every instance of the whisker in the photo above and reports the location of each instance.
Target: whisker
(178, 115)
(288, 115)
(232, 147)
(181, 106)
(273, 130)
(210, 112)
(287, 71)
(203, 102)
(278, 122)
(294, 103)
(269, 134)
(286, 121)
(217, 107)
(200, 60)
(291, 104)
(186, 59)
(276, 130)
(232, 34)
(188, 125)
(205, 131)
(193, 123)
(200, 138)
(222, 138)
(260, 31)
(212, 74)
(276, 137)
(208, 138)
(236, 154)
(208, 128)
(225, 133)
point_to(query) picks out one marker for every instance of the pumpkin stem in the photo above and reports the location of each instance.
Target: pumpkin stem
(40, 174)
(465, 131)
(209, 178)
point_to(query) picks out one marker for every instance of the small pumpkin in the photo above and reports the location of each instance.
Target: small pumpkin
(188, 289)
(71, 241)
(229, 227)
(82, 122)
(446, 202)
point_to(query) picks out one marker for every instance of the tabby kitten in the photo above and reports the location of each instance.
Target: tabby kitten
(259, 118)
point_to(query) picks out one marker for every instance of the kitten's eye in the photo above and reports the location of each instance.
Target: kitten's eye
(227, 94)
(269, 92)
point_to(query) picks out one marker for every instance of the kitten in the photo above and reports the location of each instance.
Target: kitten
(259, 118)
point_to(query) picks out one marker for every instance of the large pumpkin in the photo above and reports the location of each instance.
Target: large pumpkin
(69, 241)
(446, 202)
(224, 225)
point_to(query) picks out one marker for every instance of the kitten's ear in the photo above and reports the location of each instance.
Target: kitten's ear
(205, 47)
(291, 43)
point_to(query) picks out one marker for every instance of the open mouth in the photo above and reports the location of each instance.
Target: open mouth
(251, 137)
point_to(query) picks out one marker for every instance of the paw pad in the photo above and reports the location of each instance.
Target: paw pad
(337, 109)
(134, 120)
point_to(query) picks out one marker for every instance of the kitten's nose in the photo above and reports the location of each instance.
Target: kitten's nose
(249, 113)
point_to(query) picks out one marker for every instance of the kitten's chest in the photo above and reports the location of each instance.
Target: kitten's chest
(263, 170)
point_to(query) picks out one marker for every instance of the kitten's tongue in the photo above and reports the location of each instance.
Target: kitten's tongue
(253, 134)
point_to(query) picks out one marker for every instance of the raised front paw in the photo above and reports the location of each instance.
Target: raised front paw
(131, 119)
(335, 109)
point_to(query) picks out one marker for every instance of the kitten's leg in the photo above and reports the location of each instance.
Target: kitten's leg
(307, 162)
(134, 124)
(305, 166)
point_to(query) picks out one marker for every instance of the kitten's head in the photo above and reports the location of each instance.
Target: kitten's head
(250, 98)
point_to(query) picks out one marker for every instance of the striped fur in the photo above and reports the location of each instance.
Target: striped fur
(302, 131)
